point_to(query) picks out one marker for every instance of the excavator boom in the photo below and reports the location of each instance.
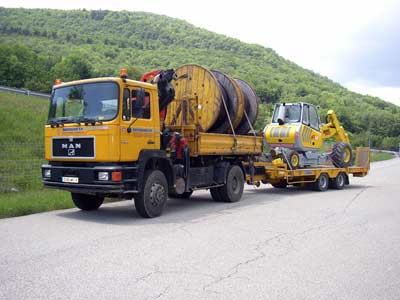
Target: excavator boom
(333, 128)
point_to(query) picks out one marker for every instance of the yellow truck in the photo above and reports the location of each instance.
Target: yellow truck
(116, 137)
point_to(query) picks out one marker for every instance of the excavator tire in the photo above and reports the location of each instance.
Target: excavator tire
(342, 155)
(294, 160)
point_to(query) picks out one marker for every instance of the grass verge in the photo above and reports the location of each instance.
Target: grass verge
(379, 156)
(33, 201)
(36, 201)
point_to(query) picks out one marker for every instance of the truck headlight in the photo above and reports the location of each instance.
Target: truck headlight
(103, 176)
(47, 173)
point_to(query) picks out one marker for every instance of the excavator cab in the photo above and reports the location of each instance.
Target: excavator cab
(297, 135)
(295, 126)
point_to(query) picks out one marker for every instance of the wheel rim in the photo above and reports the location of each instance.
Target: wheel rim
(340, 180)
(346, 155)
(235, 184)
(295, 160)
(156, 194)
(323, 181)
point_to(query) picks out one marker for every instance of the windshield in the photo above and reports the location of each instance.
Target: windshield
(292, 113)
(88, 102)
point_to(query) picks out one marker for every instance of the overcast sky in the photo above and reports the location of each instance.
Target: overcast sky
(353, 42)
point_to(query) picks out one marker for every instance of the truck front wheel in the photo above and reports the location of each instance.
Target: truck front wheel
(151, 201)
(87, 202)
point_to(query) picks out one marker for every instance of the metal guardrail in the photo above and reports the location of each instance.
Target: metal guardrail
(24, 92)
(386, 151)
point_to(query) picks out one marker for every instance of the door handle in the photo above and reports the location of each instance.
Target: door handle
(151, 142)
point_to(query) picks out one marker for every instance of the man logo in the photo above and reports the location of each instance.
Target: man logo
(71, 146)
(71, 152)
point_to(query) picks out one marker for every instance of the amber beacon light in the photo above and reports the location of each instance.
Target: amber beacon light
(123, 73)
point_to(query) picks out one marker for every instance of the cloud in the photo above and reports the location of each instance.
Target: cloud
(373, 54)
(388, 93)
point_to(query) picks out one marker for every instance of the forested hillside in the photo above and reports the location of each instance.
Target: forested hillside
(37, 46)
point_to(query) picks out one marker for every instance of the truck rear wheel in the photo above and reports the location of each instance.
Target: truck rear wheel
(233, 189)
(87, 202)
(322, 183)
(216, 194)
(151, 201)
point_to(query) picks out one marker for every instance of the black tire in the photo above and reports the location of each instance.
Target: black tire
(233, 189)
(342, 155)
(216, 194)
(87, 202)
(151, 201)
(339, 182)
(280, 185)
(185, 195)
(294, 160)
(322, 183)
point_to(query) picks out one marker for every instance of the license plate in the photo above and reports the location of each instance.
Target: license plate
(70, 179)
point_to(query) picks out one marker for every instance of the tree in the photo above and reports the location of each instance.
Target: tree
(73, 67)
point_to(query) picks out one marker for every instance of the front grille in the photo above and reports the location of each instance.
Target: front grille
(73, 147)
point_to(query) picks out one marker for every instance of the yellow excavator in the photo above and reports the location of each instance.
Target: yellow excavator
(296, 136)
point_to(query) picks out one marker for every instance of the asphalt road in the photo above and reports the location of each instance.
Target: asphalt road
(274, 244)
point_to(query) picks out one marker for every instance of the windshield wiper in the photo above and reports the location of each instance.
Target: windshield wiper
(77, 120)
(87, 120)
(58, 121)
(54, 123)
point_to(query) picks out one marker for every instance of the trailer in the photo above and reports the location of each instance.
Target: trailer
(319, 177)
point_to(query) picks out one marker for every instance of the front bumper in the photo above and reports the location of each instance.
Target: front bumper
(86, 177)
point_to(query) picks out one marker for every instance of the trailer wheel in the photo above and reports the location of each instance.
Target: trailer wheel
(342, 155)
(150, 202)
(339, 182)
(185, 195)
(87, 202)
(322, 183)
(279, 185)
(233, 189)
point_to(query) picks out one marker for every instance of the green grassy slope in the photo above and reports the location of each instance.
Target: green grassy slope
(21, 140)
(21, 155)
(107, 41)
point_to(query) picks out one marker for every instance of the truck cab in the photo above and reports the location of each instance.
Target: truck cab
(97, 129)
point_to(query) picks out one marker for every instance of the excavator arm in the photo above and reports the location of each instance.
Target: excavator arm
(333, 128)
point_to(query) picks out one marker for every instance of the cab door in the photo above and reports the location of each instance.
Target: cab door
(311, 134)
(140, 128)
